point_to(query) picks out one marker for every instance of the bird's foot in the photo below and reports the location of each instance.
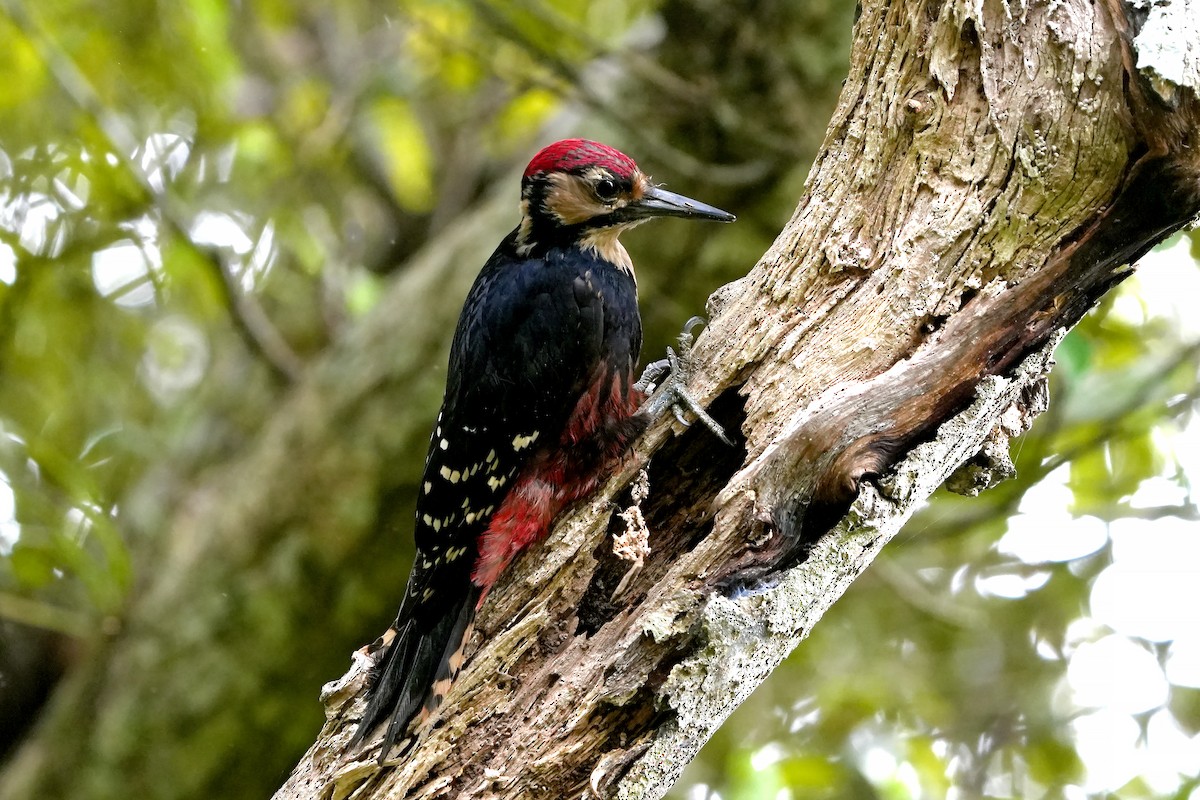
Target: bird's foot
(655, 370)
(672, 391)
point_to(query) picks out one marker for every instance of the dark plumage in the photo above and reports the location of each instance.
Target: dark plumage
(540, 403)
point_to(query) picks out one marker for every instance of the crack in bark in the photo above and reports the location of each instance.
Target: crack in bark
(981, 216)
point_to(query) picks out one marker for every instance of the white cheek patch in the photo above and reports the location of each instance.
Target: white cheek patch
(569, 200)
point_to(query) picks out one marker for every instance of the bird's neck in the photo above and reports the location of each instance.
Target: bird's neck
(605, 244)
(535, 238)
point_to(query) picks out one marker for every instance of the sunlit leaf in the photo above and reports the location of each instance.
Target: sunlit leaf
(31, 565)
(408, 160)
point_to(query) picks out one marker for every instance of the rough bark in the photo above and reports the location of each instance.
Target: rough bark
(988, 173)
(208, 635)
(263, 560)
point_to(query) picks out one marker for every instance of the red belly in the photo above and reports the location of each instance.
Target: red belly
(591, 443)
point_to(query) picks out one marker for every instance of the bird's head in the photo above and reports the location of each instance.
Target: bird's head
(586, 193)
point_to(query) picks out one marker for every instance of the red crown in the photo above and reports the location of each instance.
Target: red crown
(573, 154)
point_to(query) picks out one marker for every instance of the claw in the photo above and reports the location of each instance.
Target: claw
(651, 375)
(672, 393)
(686, 338)
(679, 417)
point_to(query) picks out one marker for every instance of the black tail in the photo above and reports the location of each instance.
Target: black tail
(422, 655)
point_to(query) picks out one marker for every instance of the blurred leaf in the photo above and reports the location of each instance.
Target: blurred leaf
(810, 774)
(25, 77)
(524, 114)
(407, 155)
(930, 768)
(363, 295)
(33, 566)
(1091, 479)
(437, 28)
(355, 134)
(1053, 762)
(1184, 703)
(1073, 355)
(1134, 459)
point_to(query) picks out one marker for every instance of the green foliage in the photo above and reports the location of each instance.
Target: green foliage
(306, 143)
(943, 672)
(319, 150)
(312, 150)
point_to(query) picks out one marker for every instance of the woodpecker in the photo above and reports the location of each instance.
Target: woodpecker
(540, 404)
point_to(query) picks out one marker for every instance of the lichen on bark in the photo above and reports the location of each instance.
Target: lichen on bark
(986, 176)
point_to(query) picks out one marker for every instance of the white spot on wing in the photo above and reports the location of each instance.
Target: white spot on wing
(521, 442)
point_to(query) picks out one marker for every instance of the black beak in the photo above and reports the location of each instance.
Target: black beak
(656, 202)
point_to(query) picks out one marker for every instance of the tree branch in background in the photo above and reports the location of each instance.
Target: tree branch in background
(251, 321)
(969, 154)
(966, 208)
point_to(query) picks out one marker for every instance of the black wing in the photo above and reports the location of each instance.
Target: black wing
(530, 337)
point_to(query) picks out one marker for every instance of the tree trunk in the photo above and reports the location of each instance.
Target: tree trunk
(263, 561)
(988, 173)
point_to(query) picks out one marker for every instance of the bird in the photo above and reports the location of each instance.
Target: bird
(540, 404)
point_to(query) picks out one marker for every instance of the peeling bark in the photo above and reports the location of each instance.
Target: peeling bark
(990, 171)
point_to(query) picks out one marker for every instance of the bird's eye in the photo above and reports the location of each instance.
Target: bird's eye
(606, 189)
